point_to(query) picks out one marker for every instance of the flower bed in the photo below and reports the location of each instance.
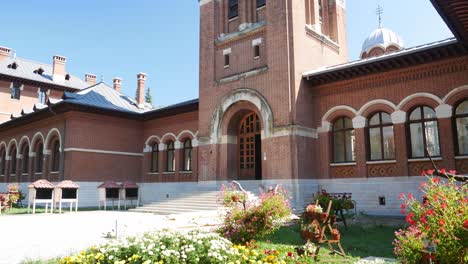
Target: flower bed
(165, 246)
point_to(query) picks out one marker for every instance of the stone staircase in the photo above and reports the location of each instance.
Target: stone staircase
(183, 203)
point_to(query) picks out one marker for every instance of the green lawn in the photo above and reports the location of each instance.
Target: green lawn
(359, 241)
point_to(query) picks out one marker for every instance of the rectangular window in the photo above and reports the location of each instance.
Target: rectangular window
(226, 60)
(42, 97)
(256, 51)
(15, 90)
(320, 10)
(233, 9)
(261, 3)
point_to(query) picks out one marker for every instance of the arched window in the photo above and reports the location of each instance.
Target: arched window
(39, 158)
(170, 157)
(380, 133)
(343, 140)
(154, 157)
(2, 162)
(25, 160)
(13, 161)
(461, 120)
(424, 132)
(187, 155)
(55, 156)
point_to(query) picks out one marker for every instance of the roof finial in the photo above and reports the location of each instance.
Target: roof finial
(379, 12)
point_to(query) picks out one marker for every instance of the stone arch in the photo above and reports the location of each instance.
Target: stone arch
(152, 139)
(167, 137)
(24, 140)
(456, 95)
(337, 111)
(12, 143)
(239, 95)
(53, 133)
(183, 135)
(377, 105)
(36, 138)
(413, 100)
(3, 146)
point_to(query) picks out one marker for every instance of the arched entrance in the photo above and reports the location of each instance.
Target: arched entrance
(250, 148)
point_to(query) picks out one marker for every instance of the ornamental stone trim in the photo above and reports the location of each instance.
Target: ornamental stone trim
(398, 117)
(359, 122)
(444, 111)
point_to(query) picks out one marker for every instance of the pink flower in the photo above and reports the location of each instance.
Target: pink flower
(452, 171)
(401, 196)
(436, 180)
(410, 196)
(443, 171)
(430, 172)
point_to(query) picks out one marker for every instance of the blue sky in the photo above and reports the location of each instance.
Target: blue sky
(160, 38)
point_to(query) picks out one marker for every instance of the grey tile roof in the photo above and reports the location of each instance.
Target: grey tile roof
(379, 58)
(104, 97)
(26, 68)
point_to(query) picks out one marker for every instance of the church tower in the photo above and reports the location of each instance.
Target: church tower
(254, 111)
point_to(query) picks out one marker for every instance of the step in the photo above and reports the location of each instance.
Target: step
(188, 207)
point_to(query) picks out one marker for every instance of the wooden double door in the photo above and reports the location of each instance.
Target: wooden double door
(250, 148)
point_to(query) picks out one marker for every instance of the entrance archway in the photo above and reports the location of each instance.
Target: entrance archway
(249, 147)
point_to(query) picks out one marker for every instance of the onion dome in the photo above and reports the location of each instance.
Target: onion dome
(381, 41)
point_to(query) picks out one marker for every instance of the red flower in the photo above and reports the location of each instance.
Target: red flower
(423, 219)
(436, 180)
(444, 206)
(442, 222)
(409, 217)
(430, 172)
(410, 196)
(429, 212)
(452, 171)
(401, 196)
(290, 254)
(423, 173)
(403, 211)
(443, 171)
(465, 224)
(423, 184)
(403, 206)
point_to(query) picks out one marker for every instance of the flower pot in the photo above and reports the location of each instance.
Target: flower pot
(335, 234)
(323, 216)
(429, 258)
(306, 235)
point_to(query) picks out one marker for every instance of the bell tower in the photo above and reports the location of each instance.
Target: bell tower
(253, 54)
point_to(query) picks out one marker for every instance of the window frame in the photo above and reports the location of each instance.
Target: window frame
(261, 3)
(154, 154)
(341, 130)
(381, 125)
(39, 159)
(13, 161)
(25, 160)
(422, 121)
(455, 127)
(15, 90)
(170, 149)
(227, 60)
(257, 52)
(55, 161)
(190, 149)
(3, 162)
(42, 95)
(233, 5)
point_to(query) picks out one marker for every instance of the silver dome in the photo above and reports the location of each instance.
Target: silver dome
(382, 37)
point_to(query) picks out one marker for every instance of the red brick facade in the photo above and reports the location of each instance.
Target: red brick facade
(296, 114)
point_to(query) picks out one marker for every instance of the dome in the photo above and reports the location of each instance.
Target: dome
(381, 38)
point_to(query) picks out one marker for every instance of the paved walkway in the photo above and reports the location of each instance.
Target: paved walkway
(44, 236)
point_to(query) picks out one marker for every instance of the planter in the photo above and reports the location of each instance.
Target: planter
(335, 234)
(323, 216)
(429, 258)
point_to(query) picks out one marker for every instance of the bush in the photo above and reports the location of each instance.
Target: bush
(248, 219)
(438, 224)
(168, 247)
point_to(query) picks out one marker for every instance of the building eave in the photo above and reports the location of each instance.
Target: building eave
(455, 15)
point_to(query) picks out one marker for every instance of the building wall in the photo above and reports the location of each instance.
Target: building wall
(28, 98)
(440, 85)
(287, 49)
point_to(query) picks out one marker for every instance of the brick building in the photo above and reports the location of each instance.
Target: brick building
(279, 102)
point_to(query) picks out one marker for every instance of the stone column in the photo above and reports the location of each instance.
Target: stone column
(446, 135)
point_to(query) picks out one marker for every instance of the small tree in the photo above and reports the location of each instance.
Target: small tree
(148, 97)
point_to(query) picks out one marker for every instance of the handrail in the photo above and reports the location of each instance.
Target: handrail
(239, 186)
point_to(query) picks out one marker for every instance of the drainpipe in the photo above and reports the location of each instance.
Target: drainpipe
(63, 150)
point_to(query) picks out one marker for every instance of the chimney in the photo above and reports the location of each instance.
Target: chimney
(117, 84)
(5, 53)
(141, 88)
(90, 78)
(58, 71)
